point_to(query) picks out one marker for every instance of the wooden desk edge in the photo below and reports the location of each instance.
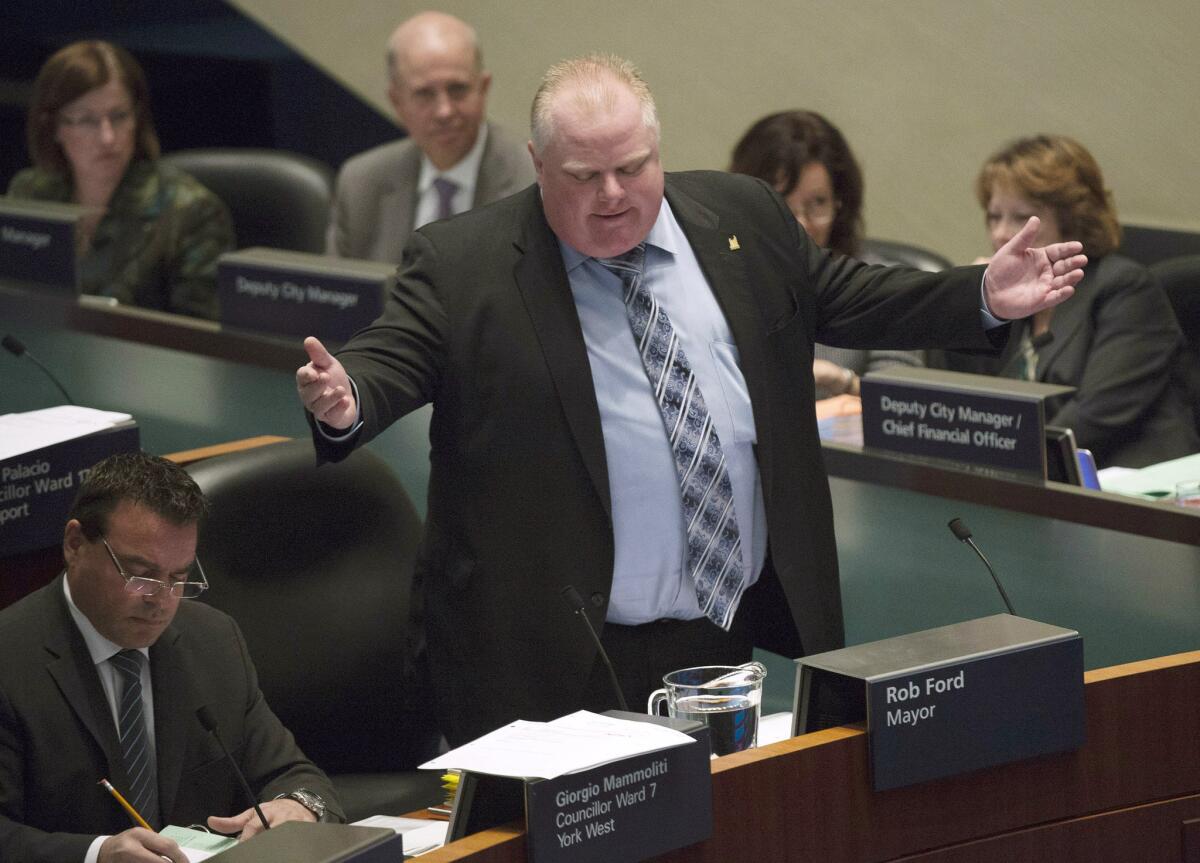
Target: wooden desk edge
(194, 455)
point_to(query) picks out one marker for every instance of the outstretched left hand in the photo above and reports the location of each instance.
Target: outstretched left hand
(1022, 280)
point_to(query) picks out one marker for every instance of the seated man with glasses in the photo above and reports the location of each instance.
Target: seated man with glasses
(104, 672)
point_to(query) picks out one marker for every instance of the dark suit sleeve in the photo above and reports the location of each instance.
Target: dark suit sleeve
(268, 755)
(17, 840)
(397, 361)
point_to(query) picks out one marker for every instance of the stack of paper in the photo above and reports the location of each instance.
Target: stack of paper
(33, 430)
(545, 750)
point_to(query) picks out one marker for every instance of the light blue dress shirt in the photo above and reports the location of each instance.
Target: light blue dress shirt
(650, 578)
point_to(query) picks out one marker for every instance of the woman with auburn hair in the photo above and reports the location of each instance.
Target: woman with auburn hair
(806, 159)
(1116, 341)
(153, 235)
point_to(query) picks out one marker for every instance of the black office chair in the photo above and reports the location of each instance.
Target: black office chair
(277, 199)
(1149, 246)
(890, 252)
(1180, 278)
(316, 565)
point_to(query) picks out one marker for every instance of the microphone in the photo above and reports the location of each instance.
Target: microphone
(963, 533)
(575, 602)
(210, 724)
(17, 348)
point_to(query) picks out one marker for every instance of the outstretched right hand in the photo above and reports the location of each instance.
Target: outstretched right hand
(139, 845)
(324, 387)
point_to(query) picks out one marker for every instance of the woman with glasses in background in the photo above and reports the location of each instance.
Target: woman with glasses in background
(806, 159)
(153, 235)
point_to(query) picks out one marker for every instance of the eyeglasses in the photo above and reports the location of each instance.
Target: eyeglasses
(118, 120)
(145, 586)
(817, 213)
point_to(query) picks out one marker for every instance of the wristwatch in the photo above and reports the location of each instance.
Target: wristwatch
(310, 800)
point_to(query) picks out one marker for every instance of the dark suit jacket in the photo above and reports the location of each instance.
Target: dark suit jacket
(375, 198)
(57, 738)
(1118, 343)
(482, 323)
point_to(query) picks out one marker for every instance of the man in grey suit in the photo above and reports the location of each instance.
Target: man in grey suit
(453, 158)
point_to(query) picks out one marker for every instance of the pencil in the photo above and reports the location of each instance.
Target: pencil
(133, 813)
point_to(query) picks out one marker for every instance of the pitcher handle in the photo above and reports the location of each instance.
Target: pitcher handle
(657, 697)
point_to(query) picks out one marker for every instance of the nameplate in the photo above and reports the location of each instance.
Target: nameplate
(974, 419)
(627, 810)
(37, 244)
(300, 294)
(37, 488)
(951, 700)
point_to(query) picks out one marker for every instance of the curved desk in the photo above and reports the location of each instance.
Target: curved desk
(1131, 793)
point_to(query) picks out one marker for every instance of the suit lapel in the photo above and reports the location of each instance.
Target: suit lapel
(494, 172)
(713, 242)
(542, 281)
(1067, 319)
(397, 206)
(174, 714)
(70, 664)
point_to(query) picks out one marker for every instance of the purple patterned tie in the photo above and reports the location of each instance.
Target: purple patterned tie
(714, 546)
(445, 191)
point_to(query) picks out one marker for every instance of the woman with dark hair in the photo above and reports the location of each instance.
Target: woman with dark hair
(153, 235)
(806, 159)
(1116, 341)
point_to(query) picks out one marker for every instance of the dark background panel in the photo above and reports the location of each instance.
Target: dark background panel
(217, 78)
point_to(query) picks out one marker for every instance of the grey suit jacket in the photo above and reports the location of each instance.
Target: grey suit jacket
(57, 738)
(375, 197)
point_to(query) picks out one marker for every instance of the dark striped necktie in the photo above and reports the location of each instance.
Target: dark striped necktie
(714, 547)
(131, 730)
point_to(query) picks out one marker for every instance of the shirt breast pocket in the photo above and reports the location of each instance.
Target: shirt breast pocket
(734, 393)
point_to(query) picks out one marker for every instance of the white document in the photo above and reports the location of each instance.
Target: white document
(32, 430)
(569, 744)
(420, 834)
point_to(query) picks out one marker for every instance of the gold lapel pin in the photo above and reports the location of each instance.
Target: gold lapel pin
(734, 245)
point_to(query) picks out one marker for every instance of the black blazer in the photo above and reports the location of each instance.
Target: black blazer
(1118, 343)
(57, 738)
(482, 324)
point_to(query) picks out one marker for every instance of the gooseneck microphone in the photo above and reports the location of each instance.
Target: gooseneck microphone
(210, 724)
(17, 348)
(963, 533)
(575, 602)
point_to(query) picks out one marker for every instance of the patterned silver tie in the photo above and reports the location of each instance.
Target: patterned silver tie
(714, 547)
(131, 730)
(445, 191)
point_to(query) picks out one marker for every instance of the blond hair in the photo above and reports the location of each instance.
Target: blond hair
(593, 77)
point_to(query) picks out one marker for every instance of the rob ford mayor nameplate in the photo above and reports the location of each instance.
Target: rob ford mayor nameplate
(980, 420)
(953, 699)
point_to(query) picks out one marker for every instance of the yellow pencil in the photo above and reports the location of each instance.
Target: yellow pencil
(133, 813)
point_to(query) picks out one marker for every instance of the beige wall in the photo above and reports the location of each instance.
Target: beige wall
(923, 89)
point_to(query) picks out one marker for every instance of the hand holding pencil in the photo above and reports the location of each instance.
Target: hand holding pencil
(138, 844)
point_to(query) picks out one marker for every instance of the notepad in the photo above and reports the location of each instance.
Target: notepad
(198, 844)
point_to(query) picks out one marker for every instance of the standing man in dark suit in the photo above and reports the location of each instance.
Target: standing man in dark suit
(453, 158)
(620, 369)
(104, 672)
